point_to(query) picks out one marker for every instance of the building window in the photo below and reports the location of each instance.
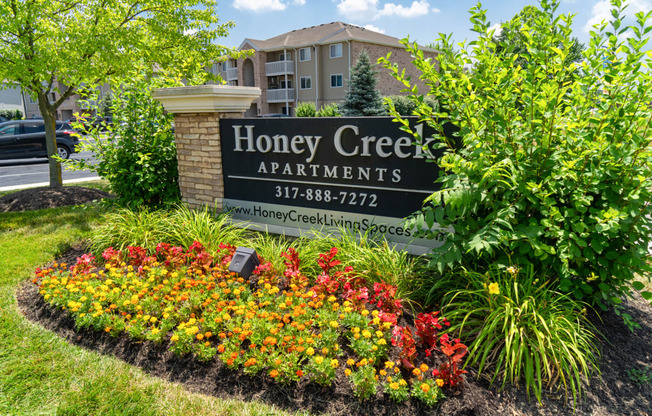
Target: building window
(306, 83)
(336, 50)
(286, 110)
(336, 81)
(304, 54)
(289, 84)
(284, 57)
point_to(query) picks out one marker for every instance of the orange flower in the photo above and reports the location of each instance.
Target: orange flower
(273, 373)
(299, 373)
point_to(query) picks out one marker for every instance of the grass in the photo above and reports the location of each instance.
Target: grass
(41, 373)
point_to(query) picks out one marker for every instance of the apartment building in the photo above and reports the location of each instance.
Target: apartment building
(72, 105)
(312, 65)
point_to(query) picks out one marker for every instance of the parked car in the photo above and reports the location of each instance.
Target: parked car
(92, 122)
(3, 119)
(22, 139)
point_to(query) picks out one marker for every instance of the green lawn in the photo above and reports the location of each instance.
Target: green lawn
(42, 374)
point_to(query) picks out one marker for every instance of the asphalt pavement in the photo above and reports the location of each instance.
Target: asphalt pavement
(33, 173)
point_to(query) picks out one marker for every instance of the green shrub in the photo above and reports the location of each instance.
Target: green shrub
(137, 155)
(554, 167)
(11, 114)
(305, 110)
(330, 110)
(404, 105)
(520, 329)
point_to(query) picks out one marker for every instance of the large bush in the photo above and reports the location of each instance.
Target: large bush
(555, 168)
(11, 114)
(137, 155)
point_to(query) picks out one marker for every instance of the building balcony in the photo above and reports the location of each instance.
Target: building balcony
(279, 68)
(231, 74)
(280, 96)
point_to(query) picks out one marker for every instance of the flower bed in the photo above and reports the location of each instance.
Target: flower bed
(282, 324)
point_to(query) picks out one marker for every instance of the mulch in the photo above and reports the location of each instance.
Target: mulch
(45, 197)
(614, 392)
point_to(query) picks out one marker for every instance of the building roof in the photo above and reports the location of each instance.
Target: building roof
(321, 35)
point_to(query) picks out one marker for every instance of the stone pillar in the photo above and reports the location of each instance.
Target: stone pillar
(197, 111)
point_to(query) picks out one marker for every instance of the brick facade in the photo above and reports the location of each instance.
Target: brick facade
(199, 154)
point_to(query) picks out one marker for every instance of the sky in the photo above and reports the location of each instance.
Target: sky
(422, 20)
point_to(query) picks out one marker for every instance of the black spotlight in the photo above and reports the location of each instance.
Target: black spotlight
(244, 261)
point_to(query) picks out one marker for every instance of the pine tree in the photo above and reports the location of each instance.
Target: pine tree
(362, 98)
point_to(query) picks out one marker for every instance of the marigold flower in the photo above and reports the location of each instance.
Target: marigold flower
(324, 351)
(310, 351)
(389, 364)
(393, 386)
(335, 363)
(347, 372)
(350, 361)
(439, 382)
(174, 338)
(319, 359)
(423, 367)
(220, 349)
(425, 387)
(299, 373)
(273, 373)
(416, 372)
(402, 382)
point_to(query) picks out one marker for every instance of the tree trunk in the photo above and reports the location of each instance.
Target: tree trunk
(49, 114)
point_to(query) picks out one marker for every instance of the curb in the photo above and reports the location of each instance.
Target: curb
(41, 184)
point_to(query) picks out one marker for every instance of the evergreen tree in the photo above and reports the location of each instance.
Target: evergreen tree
(362, 98)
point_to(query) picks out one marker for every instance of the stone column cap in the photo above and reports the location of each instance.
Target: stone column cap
(207, 98)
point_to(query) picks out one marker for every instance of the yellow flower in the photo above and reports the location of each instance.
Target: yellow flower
(350, 361)
(347, 372)
(494, 289)
(310, 351)
(394, 386)
(440, 382)
(423, 368)
(425, 387)
(319, 359)
(389, 364)
(174, 338)
(335, 363)
(402, 382)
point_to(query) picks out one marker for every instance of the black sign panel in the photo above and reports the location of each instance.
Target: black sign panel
(364, 165)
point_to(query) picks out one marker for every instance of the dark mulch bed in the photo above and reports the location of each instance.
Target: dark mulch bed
(41, 198)
(614, 393)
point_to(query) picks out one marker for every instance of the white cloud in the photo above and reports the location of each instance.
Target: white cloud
(602, 11)
(260, 5)
(498, 28)
(299, 2)
(374, 28)
(417, 8)
(371, 9)
(358, 9)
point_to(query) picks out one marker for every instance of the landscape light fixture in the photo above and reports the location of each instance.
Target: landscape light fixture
(244, 261)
